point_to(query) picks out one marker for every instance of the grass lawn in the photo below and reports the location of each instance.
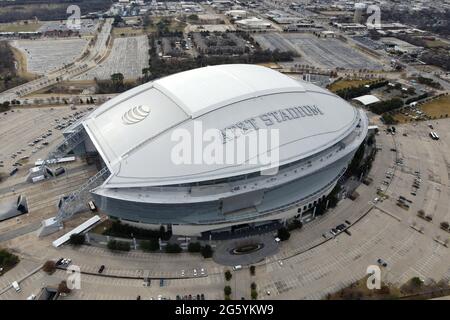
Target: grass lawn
(7, 260)
(173, 26)
(20, 27)
(342, 84)
(401, 118)
(127, 31)
(415, 289)
(359, 290)
(102, 226)
(436, 43)
(437, 108)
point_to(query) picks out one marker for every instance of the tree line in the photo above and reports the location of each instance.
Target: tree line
(46, 10)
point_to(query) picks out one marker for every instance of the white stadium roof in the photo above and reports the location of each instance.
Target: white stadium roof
(132, 131)
(367, 99)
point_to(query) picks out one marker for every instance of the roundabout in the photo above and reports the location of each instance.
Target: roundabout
(245, 251)
(247, 248)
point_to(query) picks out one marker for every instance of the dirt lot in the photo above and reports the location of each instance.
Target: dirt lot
(19, 27)
(437, 108)
(127, 31)
(342, 84)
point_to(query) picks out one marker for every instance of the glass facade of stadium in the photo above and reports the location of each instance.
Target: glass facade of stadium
(296, 198)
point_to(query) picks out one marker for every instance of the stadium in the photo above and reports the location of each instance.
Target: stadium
(132, 133)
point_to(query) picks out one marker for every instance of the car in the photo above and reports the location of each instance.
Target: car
(31, 297)
(182, 273)
(59, 262)
(102, 267)
(334, 232)
(198, 296)
(195, 272)
(280, 262)
(382, 262)
(268, 292)
(237, 267)
(277, 239)
(190, 297)
(202, 271)
(161, 282)
(178, 297)
(347, 222)
(202, 296)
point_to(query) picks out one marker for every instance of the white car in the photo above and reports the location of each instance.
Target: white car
(202, 271)
(277, 239)
(182, 273)
(195, 272)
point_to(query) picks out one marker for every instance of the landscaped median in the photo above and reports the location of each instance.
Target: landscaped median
(121, 237)
(7, 261)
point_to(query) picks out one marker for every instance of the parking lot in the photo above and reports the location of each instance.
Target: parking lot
(29, 134)
(128, 56)
(327, 53)
(46, 55)
(311, 264)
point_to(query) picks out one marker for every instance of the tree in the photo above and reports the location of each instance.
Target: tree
(194, 247)
(117, 19)
(193, 17)
(252, 270)
(416, 282)
(228, 275)
(117, 80)
(173, 248)
(227, 290)
(146, 74)
(283, 234)
(77, 239)
(63, 288)
(254, 294)
(253, 286)
(49, 267)
(149, 245)
(207, 251)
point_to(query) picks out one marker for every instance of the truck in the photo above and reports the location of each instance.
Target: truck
(16, 286)
(38, 178)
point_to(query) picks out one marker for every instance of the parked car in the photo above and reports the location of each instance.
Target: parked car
(382, 262)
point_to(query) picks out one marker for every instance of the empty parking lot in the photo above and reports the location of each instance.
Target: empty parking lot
(128, 56)
(46, 55)
(326, 53)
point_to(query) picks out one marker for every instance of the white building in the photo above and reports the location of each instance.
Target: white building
(318, 134)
